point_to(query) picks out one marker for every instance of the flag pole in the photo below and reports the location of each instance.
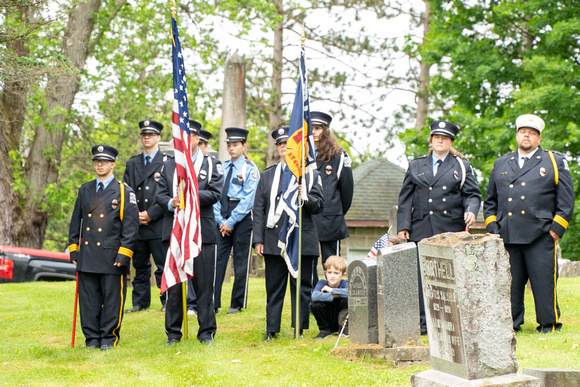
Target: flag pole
(300, 201)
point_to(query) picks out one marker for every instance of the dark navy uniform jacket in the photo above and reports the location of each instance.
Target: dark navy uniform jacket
(262, 204)
(106, 238)
(144, 182)
(430, 205)
(523, 204)
(338, 186)
(210, 182)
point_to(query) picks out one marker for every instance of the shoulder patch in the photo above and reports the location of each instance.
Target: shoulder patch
(319, 180)
(220, 169)
(132, 198)
(254, 176)
(565, 162)
(347, 160)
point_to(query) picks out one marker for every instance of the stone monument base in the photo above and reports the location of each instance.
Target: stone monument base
(433, 378)
(400, 356)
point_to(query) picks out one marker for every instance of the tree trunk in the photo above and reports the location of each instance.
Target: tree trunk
(275, 113)
(29, 216)
(12, 113)
(424, 79)
(234, 101)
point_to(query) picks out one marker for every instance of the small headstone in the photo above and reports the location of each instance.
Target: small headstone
(554, 377)
(362, 301)
(466, 284)
(398, 296)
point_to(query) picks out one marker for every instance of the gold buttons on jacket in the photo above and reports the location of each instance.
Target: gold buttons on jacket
(90, 215)
(511, 186)
(509, 199)
(523, 197)
(139, 188)
(88, 229)
(98, 243)
(523, 184)
(523, 212)
(102, 216)
(509, 214)
(444, 199)
(100, 229)
(445, 212)
(86, 242)
(430, 212)
(146, 200)
(444, 188)
(430, 200)
(430, 188)
(147, 187)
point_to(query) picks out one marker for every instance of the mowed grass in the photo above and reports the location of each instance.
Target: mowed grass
(35, 337)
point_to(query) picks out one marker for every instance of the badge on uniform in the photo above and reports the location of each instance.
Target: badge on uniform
(456, 175)
(220, 169)
(542, 171)
(240, 177)
(566, 167)
(347, 161)
(202, 174)
(157, 176)
(254, 176)
(114, 204)
(328, 169)
(132, 198)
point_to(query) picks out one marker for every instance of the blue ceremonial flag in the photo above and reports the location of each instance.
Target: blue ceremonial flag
(300, 159)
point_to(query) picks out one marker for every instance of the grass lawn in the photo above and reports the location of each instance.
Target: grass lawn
(35, 335)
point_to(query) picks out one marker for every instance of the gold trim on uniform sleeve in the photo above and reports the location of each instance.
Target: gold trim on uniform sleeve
(126, 251)
(561, 221)
(73, 248)
(490, 219)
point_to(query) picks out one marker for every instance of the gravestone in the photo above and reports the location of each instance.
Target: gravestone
(362, 301)
(555, 377)
(466, 285)
(398, 296)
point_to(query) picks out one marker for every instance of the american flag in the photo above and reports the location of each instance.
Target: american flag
(300, 159)
(185, 243)
(382, 242)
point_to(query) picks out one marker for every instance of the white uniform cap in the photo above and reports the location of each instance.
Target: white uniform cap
(530, 121)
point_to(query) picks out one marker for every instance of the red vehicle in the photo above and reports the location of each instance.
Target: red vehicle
(18, 264)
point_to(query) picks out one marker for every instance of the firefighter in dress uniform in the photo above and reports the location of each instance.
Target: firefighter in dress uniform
(210, 180)
(103, 230)
(268, 220)
(529, 202)
(334, 167)
(203, 145)
(233, 215)
(142, 173)
(439, 194)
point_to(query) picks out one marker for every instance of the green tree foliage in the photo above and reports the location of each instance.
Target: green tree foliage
(496, 60)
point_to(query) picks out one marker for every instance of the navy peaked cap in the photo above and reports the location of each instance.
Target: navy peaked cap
(104, 152)
(236, 134)
(320, 118)
(280, 134)
(150, 127)
(444, 128)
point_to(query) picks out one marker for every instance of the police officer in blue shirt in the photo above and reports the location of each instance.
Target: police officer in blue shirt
(234, 218)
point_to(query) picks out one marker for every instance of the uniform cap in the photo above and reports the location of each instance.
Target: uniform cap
(204, 135)
(236, 134)
(280, 134)
(444, 128)
(530, 121)
(150, 127)
(194, 127)
(320, 118)
(104, 152)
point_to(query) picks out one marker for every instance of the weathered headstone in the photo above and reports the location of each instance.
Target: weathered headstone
(398, 296)
(362, 301)
(466, 285)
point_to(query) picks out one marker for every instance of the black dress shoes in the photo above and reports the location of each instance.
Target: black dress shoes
(172, 341)
(136, 308)
(269, 336)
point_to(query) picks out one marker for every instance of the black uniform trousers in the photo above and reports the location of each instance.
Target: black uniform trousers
(537, 262)
(101, 303)
(191, 298)
(305, 292)
(203, 279)
(141, 261)
(326, 313)
(276, 284)
(240, 239)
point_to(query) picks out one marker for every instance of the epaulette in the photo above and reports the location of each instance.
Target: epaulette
(137, 155)
(554, 152)
(270, 167)
(167, 156)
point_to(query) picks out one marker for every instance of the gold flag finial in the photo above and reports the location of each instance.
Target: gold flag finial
(173, 8)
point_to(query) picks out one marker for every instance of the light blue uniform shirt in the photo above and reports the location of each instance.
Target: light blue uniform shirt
(152, 155)
(243, 186)
(434, 162)
(105, 183)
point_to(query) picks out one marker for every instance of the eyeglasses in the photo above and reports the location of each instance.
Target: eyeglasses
(101, 162)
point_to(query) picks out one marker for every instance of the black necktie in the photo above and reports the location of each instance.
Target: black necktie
(147, 160)
(438, 163)
(525, 159)
(225, 209)
(101, 188)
